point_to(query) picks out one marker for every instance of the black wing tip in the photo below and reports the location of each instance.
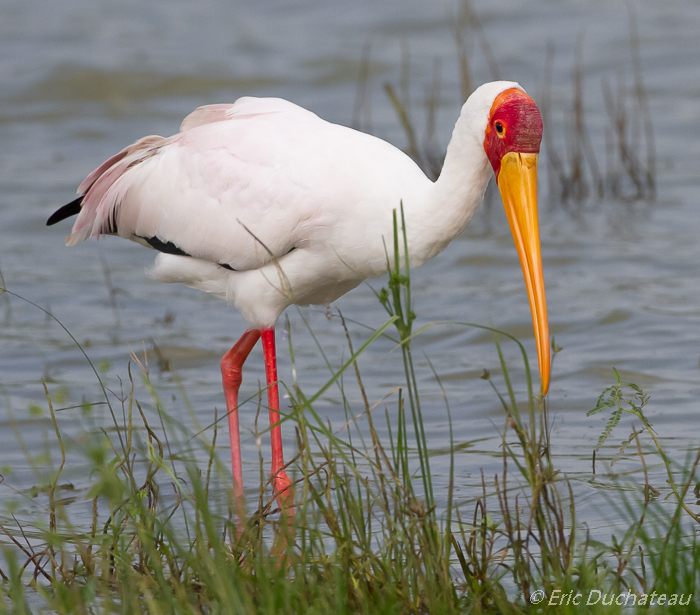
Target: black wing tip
(72, 209)
(167, 247)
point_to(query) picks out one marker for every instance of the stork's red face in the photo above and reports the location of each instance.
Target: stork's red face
(512, 144)
(515, 125)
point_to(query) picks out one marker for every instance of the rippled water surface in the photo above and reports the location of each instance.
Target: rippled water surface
(80, 80)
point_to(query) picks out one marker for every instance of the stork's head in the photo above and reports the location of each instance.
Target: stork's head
(512, 144)
(515, 126)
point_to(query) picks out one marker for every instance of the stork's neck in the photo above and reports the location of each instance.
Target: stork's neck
(453, 199)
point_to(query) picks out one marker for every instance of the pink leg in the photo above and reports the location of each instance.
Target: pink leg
(231, 373)
(281, 482)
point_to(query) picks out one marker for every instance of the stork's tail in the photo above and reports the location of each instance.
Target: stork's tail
(72, 209)
(97, 205)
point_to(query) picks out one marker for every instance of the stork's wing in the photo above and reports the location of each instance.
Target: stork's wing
(247, 183)
(243, 184)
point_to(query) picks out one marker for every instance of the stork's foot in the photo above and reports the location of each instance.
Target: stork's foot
(284, 492)
(285, 534)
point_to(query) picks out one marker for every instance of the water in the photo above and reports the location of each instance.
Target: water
(78, 81)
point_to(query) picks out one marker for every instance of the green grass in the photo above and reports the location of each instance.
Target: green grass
(371, 534)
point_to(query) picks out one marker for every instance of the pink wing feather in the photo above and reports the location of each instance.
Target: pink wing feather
(106, 187)
(97, 213)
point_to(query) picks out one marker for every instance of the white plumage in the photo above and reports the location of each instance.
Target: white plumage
(267, 205)
(298, 206)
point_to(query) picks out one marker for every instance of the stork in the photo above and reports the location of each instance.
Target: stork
(266, 205)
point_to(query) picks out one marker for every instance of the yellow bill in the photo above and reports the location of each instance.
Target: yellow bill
(517, 181)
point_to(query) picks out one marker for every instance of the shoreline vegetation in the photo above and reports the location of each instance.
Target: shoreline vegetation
(370, 535)
(157, 532)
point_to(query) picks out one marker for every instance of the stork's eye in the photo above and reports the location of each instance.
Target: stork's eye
(499, 128)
